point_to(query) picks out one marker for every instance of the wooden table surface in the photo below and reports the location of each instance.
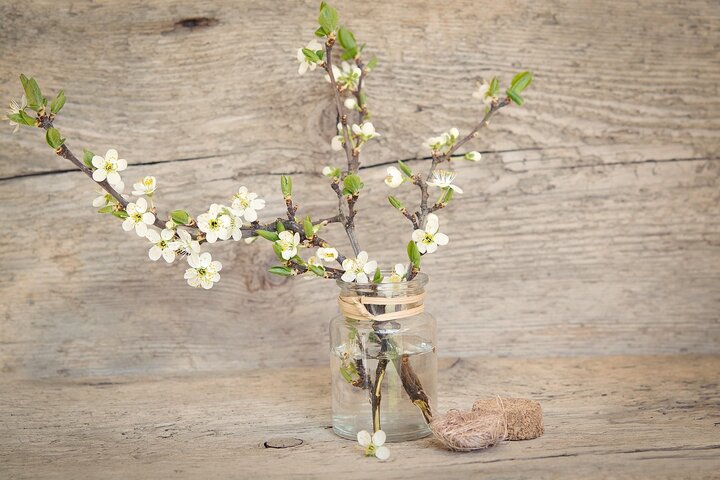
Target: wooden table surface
(615, 416)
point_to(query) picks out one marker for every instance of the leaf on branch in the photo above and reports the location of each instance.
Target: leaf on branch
(413, 254)
(180, 217)
(371, 64)
(53, 138)
(32, 93)
(328, 18)
(318, 270)
(519, 83)
(120, 214)
(87, 158)
(346, 39)
(268, 235)
(311, 56)
(352, 184)
(405, 169)
(377, 278)
(282, 271)
(58, 103)
(278, 251)
(308, 227)
(279, 227)
(515, 97)
(396, 203)
(107, 209)
(286, 186)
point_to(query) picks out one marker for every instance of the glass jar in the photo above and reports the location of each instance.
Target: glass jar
(383, 360)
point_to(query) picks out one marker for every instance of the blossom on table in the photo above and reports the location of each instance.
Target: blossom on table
(327, 254)
(394, 177)
(186, 244)
(246, 204)
(366, 131)
(138, 217)
(443, 179)
(203, 271)
(305, 63)
(473, 156)
(14, 108)
(428, 240)
(288, 243)
(358, 269)
(374, 445)
(105, 198)
(398, 275)
(214, 224)
(163, 245)
(107, 168)
(146, 186)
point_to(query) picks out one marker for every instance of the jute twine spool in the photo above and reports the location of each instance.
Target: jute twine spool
(467, 431)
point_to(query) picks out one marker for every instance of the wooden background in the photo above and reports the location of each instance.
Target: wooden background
(591, 227)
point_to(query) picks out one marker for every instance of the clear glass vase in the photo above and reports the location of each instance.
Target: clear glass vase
(383, 360)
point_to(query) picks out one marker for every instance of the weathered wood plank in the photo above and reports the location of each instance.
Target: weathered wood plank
(619, 417)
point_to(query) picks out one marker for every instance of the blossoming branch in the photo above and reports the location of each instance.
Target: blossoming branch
(180, 235)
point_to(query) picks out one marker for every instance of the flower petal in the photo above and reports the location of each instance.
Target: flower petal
(99, 175)
(364, 438)
(378, 438)
(433, 223)
(441, 239)
(382, 453)
(155, 253)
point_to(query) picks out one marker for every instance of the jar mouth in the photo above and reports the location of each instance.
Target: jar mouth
(417, 283)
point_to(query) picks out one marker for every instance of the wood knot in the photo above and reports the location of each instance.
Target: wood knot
(197, 22)
(283, 442)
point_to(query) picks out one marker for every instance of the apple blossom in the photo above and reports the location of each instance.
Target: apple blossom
(162, 245)
(443, 179)
(203, 271)
(138, 217)
(358, 269)
(305, 63)
(428, 240)
(327, 254)
(394, 177)
(246, 204)
(105, 198)
(107, 168)
(146, 186)
(399, 274)
(374, 445)
(186, 244)
(288, 243)
(214, 224)
(366, 131)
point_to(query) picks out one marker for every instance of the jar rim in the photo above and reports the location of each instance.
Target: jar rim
(419, 281)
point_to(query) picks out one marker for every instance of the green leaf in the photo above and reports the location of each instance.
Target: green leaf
(53, 138)
(180, 217)
(446, 196)
(320, 32)
(308, 227)
(377, 278)
(413, 254)
(345, 374)
(279, 227)
(328, 18)
(521, 81)
(318, 270)
(268, 235)
(396, 203)
(352, 184)
(346, 39)
(87, 158)
(120, 213)
(58, 103)
(278, 251)
(349, 54)
(371, 64)
(107, 209)
(494, 87)
(32, 93)
(23, 119)
(310, 55)
(282, 271)
(515, 97)
(405, 169)
(286, 186)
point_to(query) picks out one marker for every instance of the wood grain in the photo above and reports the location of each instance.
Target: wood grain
(607, 417)
(592, 225)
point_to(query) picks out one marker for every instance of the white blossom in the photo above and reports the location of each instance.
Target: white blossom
(473, 156)
(394, 177)
(138, 217)
(186, 244)
(203, 271)
(483, 93)
(105, 198)
(434, 143)
(428, 240)
(163, 246)
(445, 139)
(332, 172)
(214, 224)
(443, 179)
(327, 254)
(347, 77)
(350, 103)
(107, 168)
(358, 269)
(246, 204)
(288, 243)
(399, 274)
(374, 445)
(450, 137)
(146, 186)
(236, 225)
(14, 108)
(366, 131)
(338, 141)
(306, 64)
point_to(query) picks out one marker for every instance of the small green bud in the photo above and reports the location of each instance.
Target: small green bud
(58, 103)
(396, 203)
(282, 271)
(308, 227)
(405, 169)
(120, 214)
(352, 184)
(32, 93)
(268, 235)
(53, 138)
(279, 226)
(318, 270)
(278, 251)
(180, 217)
(286, 186)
